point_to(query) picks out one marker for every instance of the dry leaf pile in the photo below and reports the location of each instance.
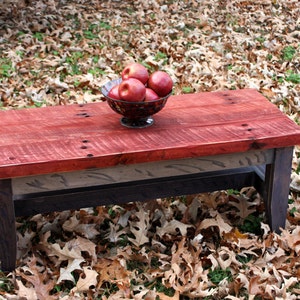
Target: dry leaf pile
(208, 246)
(204, 246)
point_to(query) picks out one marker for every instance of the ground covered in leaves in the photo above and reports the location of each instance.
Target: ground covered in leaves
(208, 246)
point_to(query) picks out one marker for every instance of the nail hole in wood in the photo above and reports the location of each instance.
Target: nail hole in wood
(90, 155)
(83, 114)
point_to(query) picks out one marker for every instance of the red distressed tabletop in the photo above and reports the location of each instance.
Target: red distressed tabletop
(75, 137)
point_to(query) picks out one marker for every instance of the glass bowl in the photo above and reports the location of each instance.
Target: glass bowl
(135, 114)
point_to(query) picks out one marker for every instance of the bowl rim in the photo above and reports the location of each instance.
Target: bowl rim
(118, 81)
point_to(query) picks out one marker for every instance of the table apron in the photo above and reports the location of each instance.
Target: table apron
(142, 171)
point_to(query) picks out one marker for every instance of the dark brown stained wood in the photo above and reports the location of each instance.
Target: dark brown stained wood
(8, 237)
(278, 177)
(68, 138)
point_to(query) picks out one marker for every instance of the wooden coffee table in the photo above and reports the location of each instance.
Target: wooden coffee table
(74, 156)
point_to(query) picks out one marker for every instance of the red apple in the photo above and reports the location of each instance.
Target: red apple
(132, 90)
(161, 83)
(137, 71)
(150, 95)
(114, 92)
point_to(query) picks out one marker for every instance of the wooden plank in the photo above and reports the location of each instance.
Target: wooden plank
(8, 239)
(143, 171)
(67, 138)
(278, 178)
(140, 190)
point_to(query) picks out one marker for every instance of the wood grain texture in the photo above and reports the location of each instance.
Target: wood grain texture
(8, 237)
(278, 177)
(77, 137)
(143, 171)
(140, 190)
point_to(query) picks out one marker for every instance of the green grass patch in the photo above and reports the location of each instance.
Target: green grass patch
(252, 224)
(233, 192)
(73, 62)
(293, 211)
(6, 285)
(292, 77)
(96, 71)
(74, 57)
(187, 89)
(89, 35)
(161, 56)
(218, 274)
(159, 287)
(105, 25)
(168, 291)
(260, 39)
(288, 53)
(244, 259)
(6, 68)
(39, 36)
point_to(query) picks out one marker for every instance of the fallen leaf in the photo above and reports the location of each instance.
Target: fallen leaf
(86, 281)
(39, 280)
(112, 271)
(173, 227)
(140, 228)
(255, 286)
(66, 273)
(24, 292)
(218, 222)
(115, 233)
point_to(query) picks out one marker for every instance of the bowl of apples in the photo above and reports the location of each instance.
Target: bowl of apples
(138, 95)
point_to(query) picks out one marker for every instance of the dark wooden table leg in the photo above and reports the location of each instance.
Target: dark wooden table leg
(277, 177)
(8, 241)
